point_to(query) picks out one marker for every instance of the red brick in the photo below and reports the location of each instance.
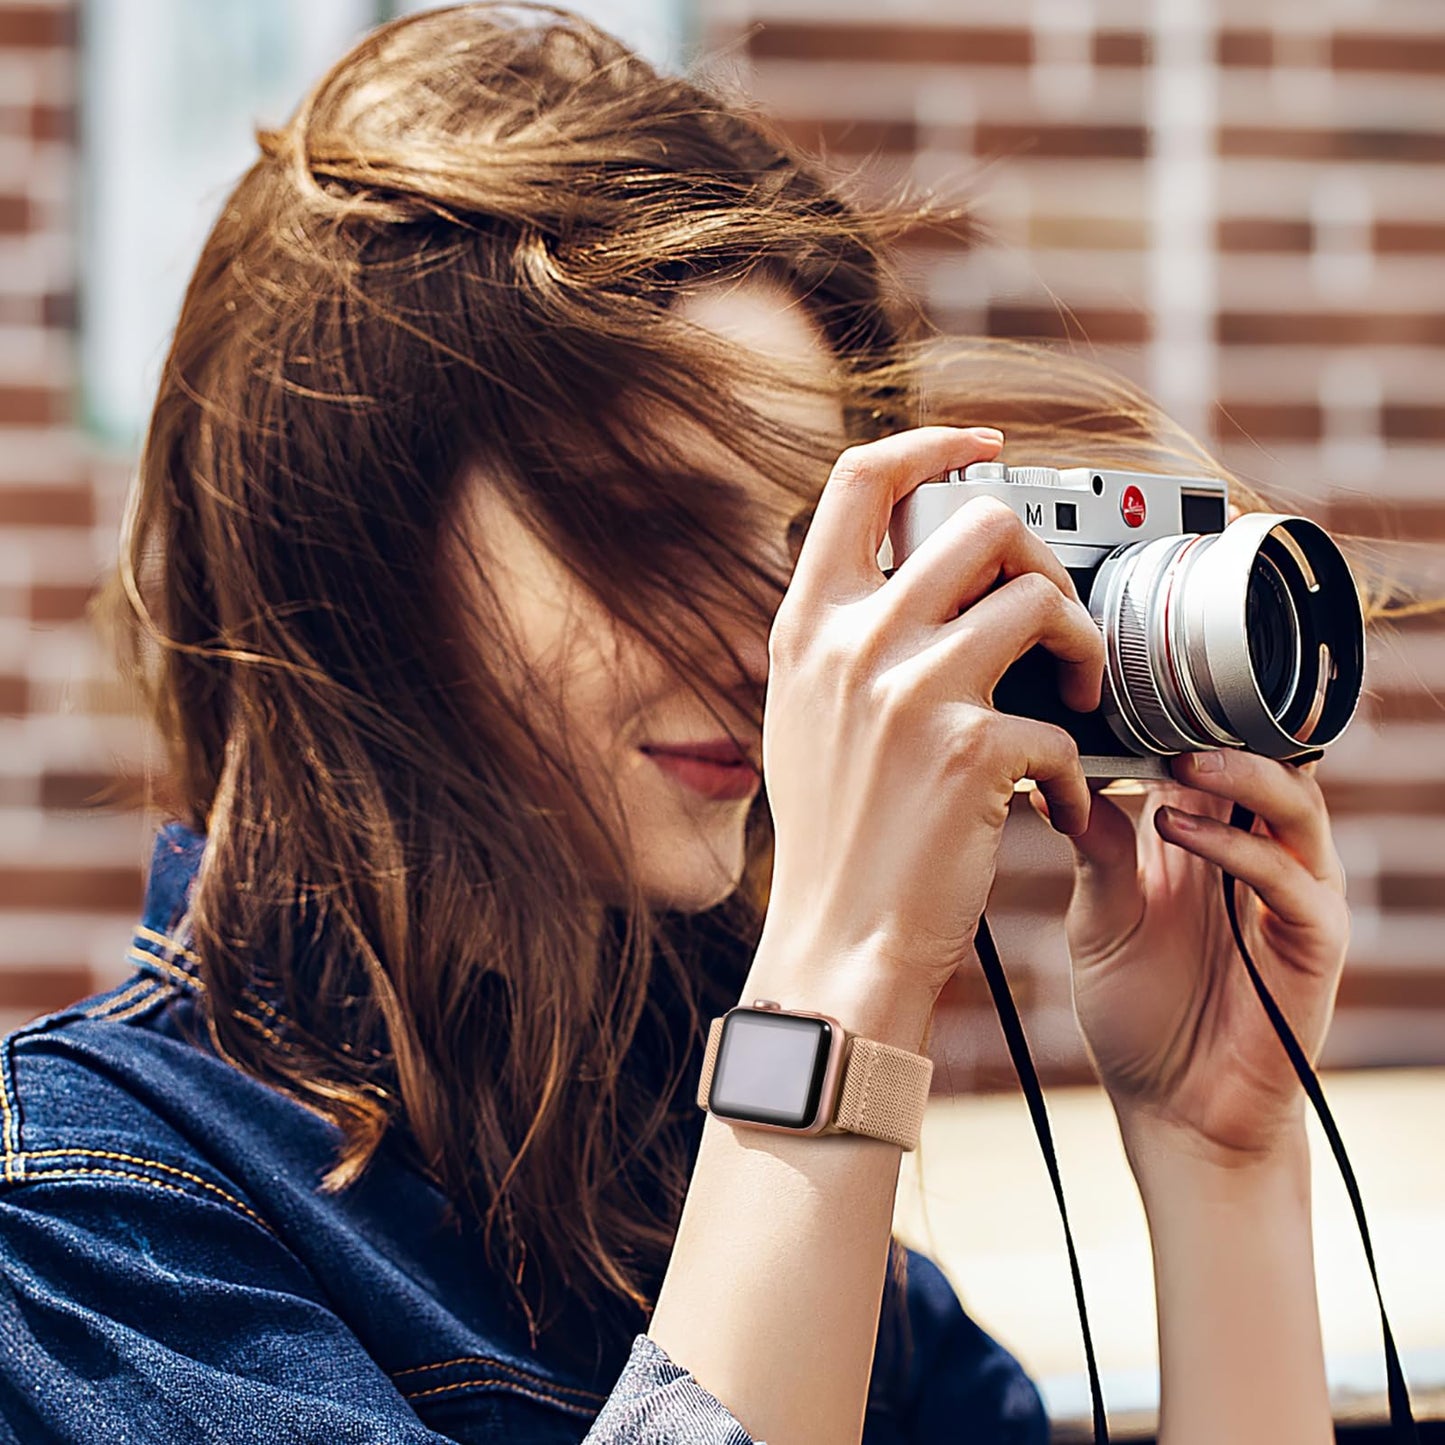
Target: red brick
(1416, 54)
(1263, 233)
(1330, 328)
(1404, 988)
(1072, 142)
(1405, 705)
(1417, 797)
(853, 137)
(1127, 49)
(1410, 237)
(1403, 423)
(1249, 49)
(59, 310)
(1417, 521)
(1269, 420)
(41, 989)
(1078, 323)
(79, 890)
(32, 406)
(53, 123)
(924, 44)
(59, 506)
(14, 215)
(91, 790)
(36, 26)
(58, 602)
(1278, 142)
(1413, 890)
(14, 695)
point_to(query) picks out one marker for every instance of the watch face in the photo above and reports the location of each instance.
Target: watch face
(770, 1068)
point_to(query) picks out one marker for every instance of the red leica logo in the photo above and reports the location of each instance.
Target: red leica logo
(1131, 507)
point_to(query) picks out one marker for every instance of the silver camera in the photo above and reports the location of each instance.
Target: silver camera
(1217, 634)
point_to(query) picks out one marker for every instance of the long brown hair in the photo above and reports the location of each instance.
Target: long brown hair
(457, 259)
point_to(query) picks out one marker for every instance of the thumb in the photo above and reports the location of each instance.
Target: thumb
(1107, 858)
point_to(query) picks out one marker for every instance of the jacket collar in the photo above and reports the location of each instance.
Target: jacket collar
(160, 945)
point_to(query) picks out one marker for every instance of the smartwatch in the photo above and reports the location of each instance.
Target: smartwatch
(773, 1068)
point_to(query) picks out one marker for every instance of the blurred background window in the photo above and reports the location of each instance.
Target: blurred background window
(173, 91)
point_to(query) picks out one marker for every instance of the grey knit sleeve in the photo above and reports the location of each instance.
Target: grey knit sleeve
(656, 1402)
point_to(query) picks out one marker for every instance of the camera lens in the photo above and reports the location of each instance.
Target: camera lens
(1250, 637)
(1271, 626)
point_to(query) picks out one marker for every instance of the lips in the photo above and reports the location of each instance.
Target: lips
(716, 768)
(721, 751)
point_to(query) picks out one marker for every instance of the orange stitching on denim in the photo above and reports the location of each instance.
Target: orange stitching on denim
(119, 1001)
(150, 1164)
(10, 1115)
(140, 956)
(264, 1006)
(40, 1176)
(270, 1035)
(174, 944)
(151, 936)
(507, 1384)
(499, 1365)
(162, 991)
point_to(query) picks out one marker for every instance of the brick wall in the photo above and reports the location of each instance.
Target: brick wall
(1296, 318)
(70, 873)
(1244, 211)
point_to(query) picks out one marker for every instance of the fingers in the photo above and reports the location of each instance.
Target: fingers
(1048, 755)
(839, 556)
(1283, 883)
(964, 555)
(999, 628)
(1109, 843)
(1288, 799)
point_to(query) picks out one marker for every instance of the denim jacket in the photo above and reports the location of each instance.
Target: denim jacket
(170, 1272)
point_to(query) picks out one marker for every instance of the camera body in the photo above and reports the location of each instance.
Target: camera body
(1246, 634)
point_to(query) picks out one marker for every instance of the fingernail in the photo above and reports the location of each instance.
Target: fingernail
(987, 433)
(1208, 762)
(1175, 819)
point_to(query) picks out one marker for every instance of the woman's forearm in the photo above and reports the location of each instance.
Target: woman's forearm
(1240, 1351)
(772, 1294)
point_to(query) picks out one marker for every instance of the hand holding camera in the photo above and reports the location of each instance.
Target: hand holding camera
(889, 771)
(901, 713)
(1229, 650)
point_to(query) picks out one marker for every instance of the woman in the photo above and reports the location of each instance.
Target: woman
(530, 416)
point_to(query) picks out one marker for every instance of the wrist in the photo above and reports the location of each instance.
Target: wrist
(867, 998)
(1171, 1161)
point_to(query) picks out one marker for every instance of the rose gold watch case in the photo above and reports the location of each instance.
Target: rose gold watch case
(832, 1072)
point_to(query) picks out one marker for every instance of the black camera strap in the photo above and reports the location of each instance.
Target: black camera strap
(1018, 1047)
(1402, 1421)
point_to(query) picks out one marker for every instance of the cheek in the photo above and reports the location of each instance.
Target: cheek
(606, 686)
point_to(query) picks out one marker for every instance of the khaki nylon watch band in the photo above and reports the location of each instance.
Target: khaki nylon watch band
(884, 1093)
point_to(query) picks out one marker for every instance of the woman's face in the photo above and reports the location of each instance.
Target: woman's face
(614, 695)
